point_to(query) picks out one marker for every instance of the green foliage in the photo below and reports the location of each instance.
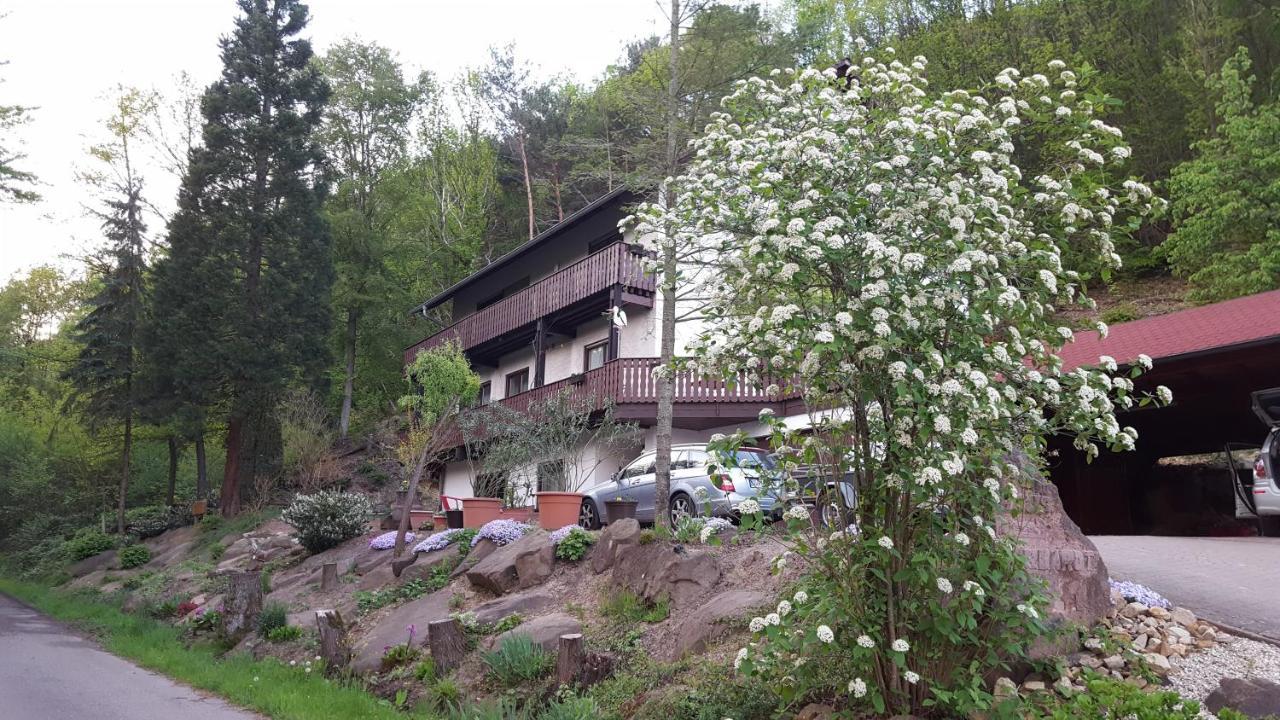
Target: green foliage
(627, 607)
(1105, 698)
(444, 694)
(1225, 201)
(1125, 312)
(425, 671)
(134, 556)
(148, 521)
(398, 655)
(284, 634)
(209, 621)
(86, 543)
(648, 535)
(327, 519)
(370, 600)
(571, 708)
(215, 551)
(518, 660)
(575, 545)
(306, 437)
(274, 615)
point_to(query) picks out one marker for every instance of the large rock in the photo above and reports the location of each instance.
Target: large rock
(1254, 697)
(702, 626)
(616, 536)
(657, 570)
(259, 547)
(523, 603)
(544, 631)
(102, 561)
(482, 549)
(428, 562)
(1059, 553)
(522, 564)
(393, 628)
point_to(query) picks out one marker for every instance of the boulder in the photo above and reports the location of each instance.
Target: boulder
(428, 562)
(544, 631)
(1059, 553)
(657, 570)
(1253, 697)
(702, 626)
(482, 549)
(393, 628)
(101, 561)
(259, 547)
(814, 711)
(524, 603)
(617, 535)
(521, 564)
(380, 576)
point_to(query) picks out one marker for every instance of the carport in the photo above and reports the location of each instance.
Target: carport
(1212, 357)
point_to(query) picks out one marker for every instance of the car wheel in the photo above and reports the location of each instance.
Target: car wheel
(831, 514)
(682, 506)
(588, 516)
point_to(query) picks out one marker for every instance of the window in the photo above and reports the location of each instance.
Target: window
(486, 393)
(642, 466)
(551, 476)
(690, 460)
(517, 382)
(593, 355)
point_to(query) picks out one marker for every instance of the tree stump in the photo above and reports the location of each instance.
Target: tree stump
(334, 645)
(329, 577)
(569, 659)
(243, 604)
(448, 644)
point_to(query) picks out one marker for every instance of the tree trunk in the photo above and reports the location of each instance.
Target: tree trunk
(448, 645)
(569, 659)
(244, 604)
(126, 460)
(173, 470)
(349, 383)
(202, 470)
(528, 181)
(335, 648)
(410, 496)
(328, 577)
(229, 502)
(666, 381)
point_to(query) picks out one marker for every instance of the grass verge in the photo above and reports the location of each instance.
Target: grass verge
(267, 686)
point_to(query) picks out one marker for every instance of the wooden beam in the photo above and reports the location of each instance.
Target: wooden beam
(540, 352)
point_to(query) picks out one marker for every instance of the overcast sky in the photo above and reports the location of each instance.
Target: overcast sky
(65, 56)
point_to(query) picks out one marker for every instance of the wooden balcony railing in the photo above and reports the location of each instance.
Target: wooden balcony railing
(617, 264)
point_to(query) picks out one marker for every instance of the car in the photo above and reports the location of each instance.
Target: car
(836, 500)
(1265, 486)
(693, 473)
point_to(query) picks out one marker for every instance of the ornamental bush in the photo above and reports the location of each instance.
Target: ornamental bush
(147, 521)
(572, 542)
(134, 556)
(327, 519)
(879, 252)
(86, 543)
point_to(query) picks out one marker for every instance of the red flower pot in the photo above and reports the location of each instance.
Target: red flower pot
(557, 509)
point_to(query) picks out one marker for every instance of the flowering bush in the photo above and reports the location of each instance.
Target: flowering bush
(387, 540)
(876, 242)
(439, 541)
(501, 532)
(572, 542)
(1133, 592)
(700, 529)
(557, 536)
(327, 519)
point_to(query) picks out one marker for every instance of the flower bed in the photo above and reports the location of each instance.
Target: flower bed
(501, 532)
(387, 540)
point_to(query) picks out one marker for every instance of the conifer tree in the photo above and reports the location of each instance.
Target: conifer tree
(243, 297)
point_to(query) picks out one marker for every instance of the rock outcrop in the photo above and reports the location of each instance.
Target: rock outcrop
(613, 538)
(713, 620)
(523, 603)
(1253, 697)
(544, 631)
(658, 571)
(522, 564)
(393, 628)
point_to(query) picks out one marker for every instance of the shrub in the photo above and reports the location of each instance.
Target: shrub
(1105, 698)
(284, 633)
(147, 521)
(425, 671)
(571, 708)
(134, 556)
(274, 615)
(572, 542)
(162, 610)
(444, 694)
(206, 620)
(216, 550)
(87, 543)
(1125, 312)
(306, 436)
(626, 606)
(518, 659)
(327, 519)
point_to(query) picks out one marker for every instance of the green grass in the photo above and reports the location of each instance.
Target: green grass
(626, 607)
(267, 686)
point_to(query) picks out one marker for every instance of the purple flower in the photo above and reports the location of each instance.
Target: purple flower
(387, 540)
(438, 541)
(558, 536)
(1133, 592)
(413, 629)
(500, 532)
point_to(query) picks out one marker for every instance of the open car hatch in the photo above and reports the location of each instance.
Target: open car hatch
(1266, 405)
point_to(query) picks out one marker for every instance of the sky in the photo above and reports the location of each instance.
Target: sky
(66, 56)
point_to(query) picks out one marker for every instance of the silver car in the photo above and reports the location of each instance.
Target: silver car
(1265, 489)
(692, 469)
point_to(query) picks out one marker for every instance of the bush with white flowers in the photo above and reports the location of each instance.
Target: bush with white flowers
(877, 242)
(327, 519)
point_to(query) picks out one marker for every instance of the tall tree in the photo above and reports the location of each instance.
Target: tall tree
(15, 183)
(366, 130)
(243, 296)
(105, 373)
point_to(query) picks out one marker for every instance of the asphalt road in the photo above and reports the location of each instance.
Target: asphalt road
(47, 672)
(1235, 581)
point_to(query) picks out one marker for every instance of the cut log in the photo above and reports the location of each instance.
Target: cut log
(569, 659)
(243, 604)
(448, 644)
(335, 647)
(329, 577)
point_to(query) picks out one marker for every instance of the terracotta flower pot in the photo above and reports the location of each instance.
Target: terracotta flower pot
(616, 510)
(478, 511)
(557, 509)
(439, 521)
(417, 518)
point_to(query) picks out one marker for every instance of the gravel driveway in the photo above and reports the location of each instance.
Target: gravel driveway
(1235, 581)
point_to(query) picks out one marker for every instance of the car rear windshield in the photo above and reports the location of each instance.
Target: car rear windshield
(755, 459)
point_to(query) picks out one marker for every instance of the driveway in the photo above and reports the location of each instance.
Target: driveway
(1235, 581)
(47, 672)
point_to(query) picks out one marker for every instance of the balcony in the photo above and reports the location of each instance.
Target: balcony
(582, 284)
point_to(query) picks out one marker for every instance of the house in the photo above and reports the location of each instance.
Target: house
(539, 320)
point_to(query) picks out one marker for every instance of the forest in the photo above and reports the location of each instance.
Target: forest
(325, 192)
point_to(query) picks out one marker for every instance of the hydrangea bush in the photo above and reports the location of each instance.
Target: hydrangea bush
(387, 540)
(327, 519)
(501, 532)
(877, 242)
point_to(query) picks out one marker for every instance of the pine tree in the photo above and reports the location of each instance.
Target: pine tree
(242, 300)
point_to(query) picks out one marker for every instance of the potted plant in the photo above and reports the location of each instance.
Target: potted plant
(620, 508)
(439, 521)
